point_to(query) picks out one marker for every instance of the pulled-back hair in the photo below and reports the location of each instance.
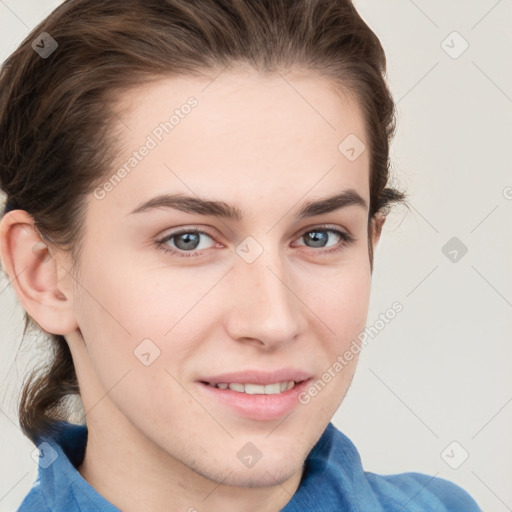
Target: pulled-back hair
(57, 137)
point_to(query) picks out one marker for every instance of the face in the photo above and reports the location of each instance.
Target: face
(173, 297)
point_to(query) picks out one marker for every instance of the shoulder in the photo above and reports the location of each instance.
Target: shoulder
(34, 501)
(59, 485)
(421, 493)
(335, 467)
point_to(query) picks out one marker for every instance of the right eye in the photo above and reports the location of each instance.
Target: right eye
(185, 241)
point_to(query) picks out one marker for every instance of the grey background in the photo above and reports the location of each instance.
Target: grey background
(439, 372)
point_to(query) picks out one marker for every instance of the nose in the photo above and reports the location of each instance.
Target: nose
(265, 306)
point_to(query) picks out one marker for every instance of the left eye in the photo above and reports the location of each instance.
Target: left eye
(188, 241)
(320, 235)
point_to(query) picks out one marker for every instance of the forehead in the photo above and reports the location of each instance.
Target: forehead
(238, 135)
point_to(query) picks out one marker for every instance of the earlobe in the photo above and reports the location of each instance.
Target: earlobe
(32, 271)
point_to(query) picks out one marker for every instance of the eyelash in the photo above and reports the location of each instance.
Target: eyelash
(346, 240)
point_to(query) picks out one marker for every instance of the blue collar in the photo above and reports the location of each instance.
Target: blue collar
(333, 480)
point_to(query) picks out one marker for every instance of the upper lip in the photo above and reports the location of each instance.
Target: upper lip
(259, 377)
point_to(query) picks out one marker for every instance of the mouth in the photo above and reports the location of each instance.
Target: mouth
(255, 396)
(276, 388)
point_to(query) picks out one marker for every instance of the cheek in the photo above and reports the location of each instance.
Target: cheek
(149, 302)
(128, 354)
(342, 301)
(130, 316)
(354, 298)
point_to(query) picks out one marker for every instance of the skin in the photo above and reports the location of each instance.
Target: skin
(155, 441)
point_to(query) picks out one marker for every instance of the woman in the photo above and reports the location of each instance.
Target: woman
(195, 191)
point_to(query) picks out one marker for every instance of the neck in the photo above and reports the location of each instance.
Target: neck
(134, 474)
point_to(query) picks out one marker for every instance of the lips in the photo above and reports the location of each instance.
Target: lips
(257, 377)
(255, 406)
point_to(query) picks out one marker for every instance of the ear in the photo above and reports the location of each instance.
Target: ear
(33, 272)
(377, 224)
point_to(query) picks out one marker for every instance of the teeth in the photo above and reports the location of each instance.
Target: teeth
(257, 389)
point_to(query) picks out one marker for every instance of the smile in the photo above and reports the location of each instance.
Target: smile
(256, 389)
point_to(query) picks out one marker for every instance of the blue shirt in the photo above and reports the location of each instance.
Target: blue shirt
(333, 480)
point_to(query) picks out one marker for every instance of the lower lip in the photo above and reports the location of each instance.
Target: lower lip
(257, 407)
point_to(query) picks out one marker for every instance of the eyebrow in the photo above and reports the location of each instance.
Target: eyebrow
(221, 209)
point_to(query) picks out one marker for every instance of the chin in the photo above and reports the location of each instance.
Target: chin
(263, 477)
(262, 474)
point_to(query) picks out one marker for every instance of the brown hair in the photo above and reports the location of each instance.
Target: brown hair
(57, 125)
